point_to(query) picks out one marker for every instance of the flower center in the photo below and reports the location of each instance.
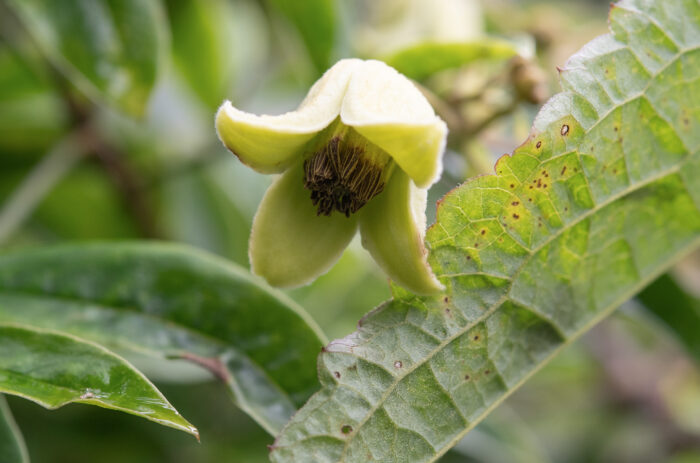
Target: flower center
(343, 175)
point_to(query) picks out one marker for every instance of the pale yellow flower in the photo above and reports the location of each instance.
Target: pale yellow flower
(359, 152)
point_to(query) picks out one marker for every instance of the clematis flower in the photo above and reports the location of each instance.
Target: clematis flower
(359, 152)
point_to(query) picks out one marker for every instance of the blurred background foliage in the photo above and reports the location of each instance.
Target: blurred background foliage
(106, 133)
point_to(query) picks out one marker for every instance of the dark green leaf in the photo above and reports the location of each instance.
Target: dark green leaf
(679, 310)
(55, 369)
(602, 198)
(12, 448)
(425, 59)
(316, 21)
(107, 48)
(170, 301)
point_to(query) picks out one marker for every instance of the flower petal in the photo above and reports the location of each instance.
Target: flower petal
(290, 245)
(270, 144)
(392, 226)
(386, 108)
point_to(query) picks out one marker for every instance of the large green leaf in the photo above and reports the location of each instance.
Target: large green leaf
(55, 369)
(600, 200)
(170, 301)
(425, 59)
(679, 310)
(107, 48)
(12, 448)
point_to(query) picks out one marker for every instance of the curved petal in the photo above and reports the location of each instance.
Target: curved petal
(270, 144)
(392, 226)
(290, 245)
(387, 109)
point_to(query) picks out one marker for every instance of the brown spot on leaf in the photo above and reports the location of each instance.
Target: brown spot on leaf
(538, 145)
(512, 185)
(564, 130)
(516, 216)
(515, 203)
(563, 169)
(336, 374)
(346, 429)
(467, 377)
(398, 364)
(483, 231)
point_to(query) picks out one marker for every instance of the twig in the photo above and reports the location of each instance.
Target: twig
(452, 117)
(45, 175)
(129, 184)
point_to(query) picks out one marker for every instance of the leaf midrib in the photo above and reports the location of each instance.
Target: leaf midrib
(232, 381)
(574, 336)
(506, 296)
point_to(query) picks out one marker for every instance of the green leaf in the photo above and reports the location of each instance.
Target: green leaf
(169, 301)
(679, 310)
(316, 21)
(12, 448)
(55, 369)
(601, 199)
(201, 39)
(107, 48)
(425, 59)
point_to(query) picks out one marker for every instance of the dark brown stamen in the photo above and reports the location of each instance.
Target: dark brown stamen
(341, 178)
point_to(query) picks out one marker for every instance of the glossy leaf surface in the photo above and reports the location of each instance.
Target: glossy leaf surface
(170, 301)
(602, 198)
(54, 369)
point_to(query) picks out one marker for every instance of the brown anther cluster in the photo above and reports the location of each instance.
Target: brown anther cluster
(341, 178)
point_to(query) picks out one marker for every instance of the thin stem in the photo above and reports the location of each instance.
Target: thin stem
(43, 177)
(451, 116)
